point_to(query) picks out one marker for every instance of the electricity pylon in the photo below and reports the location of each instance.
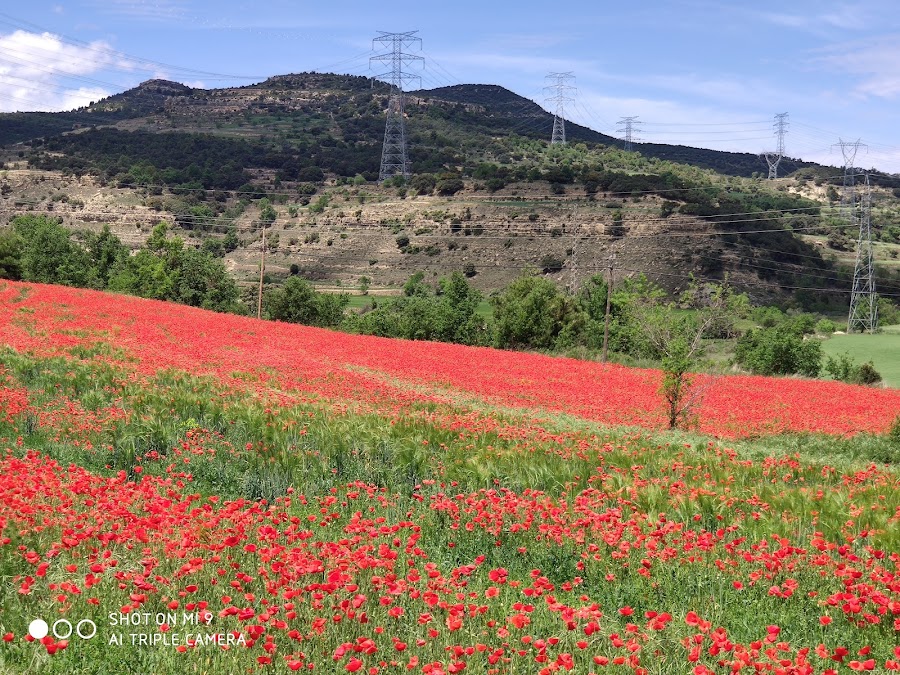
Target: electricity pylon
(863, 299)
(394, 156)
(773, 159)
(560, 90)
(627, 124)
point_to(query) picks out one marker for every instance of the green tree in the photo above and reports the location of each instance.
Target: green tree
(450, 315)
(458, 318)
(154, 271)
(164, 269)
(449, 186)
(204, 282)
(267, 214)
(626, 332)
(11, 245)
(780, 350)
(677, 337)
(364, 284)
(415, 286)
(49, 255)
(423, 183)
(298, 302)
(107, 253)
(532, 313)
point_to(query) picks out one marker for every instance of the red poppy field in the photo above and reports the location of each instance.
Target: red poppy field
(183, 491)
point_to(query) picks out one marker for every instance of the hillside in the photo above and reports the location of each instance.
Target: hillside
(488, 192)
(482, 109)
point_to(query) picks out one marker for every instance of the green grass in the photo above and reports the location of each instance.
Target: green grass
(357, 302)
(485, 310)
(569, 469)
(882, 349)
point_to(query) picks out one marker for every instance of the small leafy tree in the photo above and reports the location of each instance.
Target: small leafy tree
(677, 336)
(267, 214)
(449, 186)
(107, 252)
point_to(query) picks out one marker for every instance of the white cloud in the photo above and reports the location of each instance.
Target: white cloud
(36, 72)
(824, 18)
(876, 62)
(77, 98)
(504, 62)
(671, 122)
(842, 18)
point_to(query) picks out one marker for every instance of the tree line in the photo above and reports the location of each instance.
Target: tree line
(635, 321)
(41, 249)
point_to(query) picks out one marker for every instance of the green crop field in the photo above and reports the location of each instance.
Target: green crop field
(882, 349)
(359, 301)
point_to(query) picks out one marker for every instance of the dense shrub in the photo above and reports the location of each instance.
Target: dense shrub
(532, 313)
(298, 302)
(448, 315)
(449, 186)
(781, 350)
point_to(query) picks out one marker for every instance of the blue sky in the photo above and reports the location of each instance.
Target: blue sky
(695, 72)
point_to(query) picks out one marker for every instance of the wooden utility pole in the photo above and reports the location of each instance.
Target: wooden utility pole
(262, 267)
(609, 282)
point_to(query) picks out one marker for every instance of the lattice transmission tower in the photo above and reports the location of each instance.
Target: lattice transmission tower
(561, 90)
(773, 158)
(863, 299)
(858, 211)
(627, 130)
(394, 156)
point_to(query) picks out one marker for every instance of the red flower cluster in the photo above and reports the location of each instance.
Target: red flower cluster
(312, 362)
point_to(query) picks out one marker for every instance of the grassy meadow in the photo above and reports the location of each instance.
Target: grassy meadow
(203, 493)
(882, 349)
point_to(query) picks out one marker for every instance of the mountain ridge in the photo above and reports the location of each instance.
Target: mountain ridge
(497, 102)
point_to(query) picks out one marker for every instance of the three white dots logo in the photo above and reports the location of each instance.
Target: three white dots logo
(62, 629)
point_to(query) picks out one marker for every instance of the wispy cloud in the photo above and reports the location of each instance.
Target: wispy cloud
(663, 120)
(36, 68)
(144, 10)
(529, 40)
(875, 62)
(734, 90)
(497, 61)
(840, 18)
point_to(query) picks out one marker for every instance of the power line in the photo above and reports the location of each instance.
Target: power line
(863, 300)
(560, 90)
(394, 158)
(628, 128)
(773, 158)
(518, 264)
